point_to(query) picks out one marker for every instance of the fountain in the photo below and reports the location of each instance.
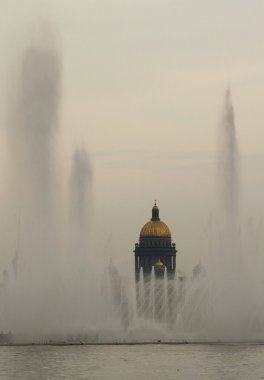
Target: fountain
(51, 292)
(32, 306)
(219, 306)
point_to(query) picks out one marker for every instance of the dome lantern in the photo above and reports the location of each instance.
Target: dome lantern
(155, 212)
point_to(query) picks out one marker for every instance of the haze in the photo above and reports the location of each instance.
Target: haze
(143, 86)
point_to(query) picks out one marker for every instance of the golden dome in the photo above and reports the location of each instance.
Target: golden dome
(155, 227)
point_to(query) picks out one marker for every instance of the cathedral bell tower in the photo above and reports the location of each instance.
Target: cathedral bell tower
(155, 249)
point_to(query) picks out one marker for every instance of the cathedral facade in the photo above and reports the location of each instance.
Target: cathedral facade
(155, 250)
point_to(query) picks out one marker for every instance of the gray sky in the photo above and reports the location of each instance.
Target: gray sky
(143, 86)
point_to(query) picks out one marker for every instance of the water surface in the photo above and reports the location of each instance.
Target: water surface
(133, 362)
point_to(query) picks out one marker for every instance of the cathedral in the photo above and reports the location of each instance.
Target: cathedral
(155, 250)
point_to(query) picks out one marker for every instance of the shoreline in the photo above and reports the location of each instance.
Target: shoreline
(249, 343)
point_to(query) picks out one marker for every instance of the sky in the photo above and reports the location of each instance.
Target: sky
(143, 87)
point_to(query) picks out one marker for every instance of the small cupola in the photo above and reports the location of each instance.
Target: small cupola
(155, 212)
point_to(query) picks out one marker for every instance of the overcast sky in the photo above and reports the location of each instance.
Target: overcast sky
(143, 87)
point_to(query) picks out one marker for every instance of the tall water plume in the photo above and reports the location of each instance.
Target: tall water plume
(225, 260)
(225, 269)
(229, 192)
(228, 158)
(220, 304)
(80, 279)
(32, 126)
(80, 187)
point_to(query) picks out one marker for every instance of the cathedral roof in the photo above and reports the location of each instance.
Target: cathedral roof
(155, 227)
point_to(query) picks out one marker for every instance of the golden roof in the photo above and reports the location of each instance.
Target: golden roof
(155, 228)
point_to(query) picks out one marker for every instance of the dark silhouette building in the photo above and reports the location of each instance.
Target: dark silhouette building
(155, 248)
